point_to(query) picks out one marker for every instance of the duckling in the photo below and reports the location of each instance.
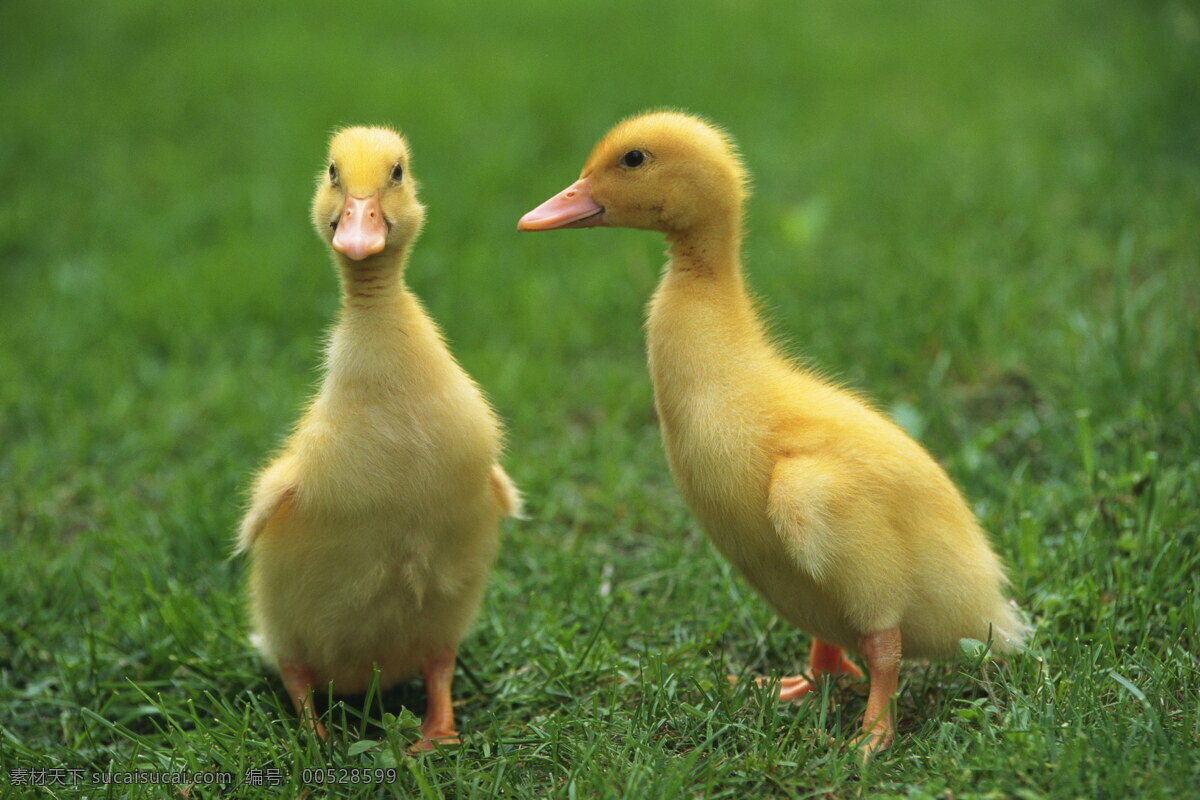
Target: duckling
(846, 526)
(372, 534)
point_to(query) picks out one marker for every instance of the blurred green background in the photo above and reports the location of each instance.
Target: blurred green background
(985, 216)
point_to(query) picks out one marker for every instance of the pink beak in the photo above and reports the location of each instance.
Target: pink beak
(361, 230)
(573, 207)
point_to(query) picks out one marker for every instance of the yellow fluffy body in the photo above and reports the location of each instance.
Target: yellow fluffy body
(371, 536)
(843, 523)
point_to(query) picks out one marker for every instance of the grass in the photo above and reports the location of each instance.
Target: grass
(984, 217)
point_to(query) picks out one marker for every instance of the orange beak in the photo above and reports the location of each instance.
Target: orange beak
(573, 207)
(361, 230)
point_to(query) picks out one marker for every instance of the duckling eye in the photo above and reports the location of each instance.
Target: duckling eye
(333, 174)
(634, 158)
(397, 173)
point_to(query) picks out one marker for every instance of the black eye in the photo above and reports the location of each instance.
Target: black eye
(333, 173)
(397, 173)
(634, 158)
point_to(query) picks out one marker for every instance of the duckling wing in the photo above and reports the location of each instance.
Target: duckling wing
(799, 502)
(272, 501)
(506, 492)
(833, 526)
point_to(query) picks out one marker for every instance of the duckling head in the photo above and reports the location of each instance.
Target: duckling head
(366, 200)
(664, 171)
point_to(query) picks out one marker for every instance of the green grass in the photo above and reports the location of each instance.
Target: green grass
(986, 217)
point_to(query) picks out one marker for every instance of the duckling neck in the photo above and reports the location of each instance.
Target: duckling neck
(702, 330)
(373, 284)
(383, 335)
(712, 252)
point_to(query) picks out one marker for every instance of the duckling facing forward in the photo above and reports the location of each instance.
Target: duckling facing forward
(844, 524)
(372, 534)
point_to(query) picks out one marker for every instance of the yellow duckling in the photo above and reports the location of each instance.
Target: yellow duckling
(372, 534)
(844, 524)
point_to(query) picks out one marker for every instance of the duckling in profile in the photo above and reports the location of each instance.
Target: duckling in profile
(372, 534)
(846, 526)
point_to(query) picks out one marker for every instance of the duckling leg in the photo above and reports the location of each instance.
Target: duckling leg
(828, 659)
(823, 659)
(299, 680)
(882, 652)
(438, 726)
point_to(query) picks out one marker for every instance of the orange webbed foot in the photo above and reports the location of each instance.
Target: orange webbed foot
(794, 687)
(790, 687)
(432, 740)
(824, 659)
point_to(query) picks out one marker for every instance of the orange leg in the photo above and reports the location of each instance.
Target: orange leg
(882, 652)
(299, 680)
(438, 726)
(826, 659)
(823, 659)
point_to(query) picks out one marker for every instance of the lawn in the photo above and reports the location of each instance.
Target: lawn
(984, 216)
